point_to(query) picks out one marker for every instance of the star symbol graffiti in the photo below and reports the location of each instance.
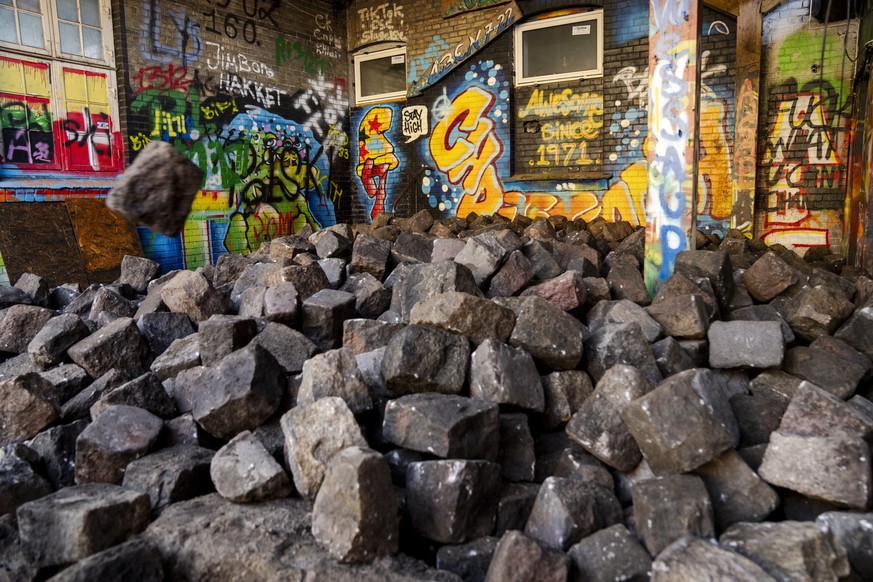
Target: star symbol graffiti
(375, 124)
(363, 151)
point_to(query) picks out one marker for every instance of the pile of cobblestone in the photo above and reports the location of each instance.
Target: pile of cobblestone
(463, 399)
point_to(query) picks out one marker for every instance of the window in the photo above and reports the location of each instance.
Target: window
(559, 49)
(380, 75)
(21, 23)
(79, 28)
(58, 106)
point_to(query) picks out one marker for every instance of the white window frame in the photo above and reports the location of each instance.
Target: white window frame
(580, 18)
(52, 38)
(370, 56)
(59, 110)
(57, 61)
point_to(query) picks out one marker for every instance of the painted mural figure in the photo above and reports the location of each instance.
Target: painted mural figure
(376, 156)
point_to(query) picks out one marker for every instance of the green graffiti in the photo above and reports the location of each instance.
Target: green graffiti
(20, 115)
(799, 58)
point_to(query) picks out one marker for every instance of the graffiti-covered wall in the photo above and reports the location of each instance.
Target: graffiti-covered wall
(467, 139)
(255, 93)
(804, 130)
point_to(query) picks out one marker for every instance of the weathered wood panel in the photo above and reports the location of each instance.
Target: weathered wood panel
(39, 238)
(104, 238)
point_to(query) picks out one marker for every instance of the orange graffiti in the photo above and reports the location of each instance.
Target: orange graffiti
(715, 192)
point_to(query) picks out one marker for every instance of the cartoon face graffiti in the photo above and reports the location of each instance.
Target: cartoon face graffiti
(376, 155)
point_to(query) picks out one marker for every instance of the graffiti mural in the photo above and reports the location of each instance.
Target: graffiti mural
(469, 44)
(714, 207)
(376, 156)
(214, 82)
(456, 7)
(380, 22)
(670, 216)
(468, 150)
(804, 160)
(79, 138)
(568, 124)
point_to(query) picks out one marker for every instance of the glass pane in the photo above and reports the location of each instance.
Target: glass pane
(31, 30)
(93, 42)
(68, 10)
(70, 42)
(7, 26)
(91, 12)
(380, 76)
(29, 5)
(5, 2)
(566, 48)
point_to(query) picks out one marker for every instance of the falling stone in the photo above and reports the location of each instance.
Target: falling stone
(157, 189)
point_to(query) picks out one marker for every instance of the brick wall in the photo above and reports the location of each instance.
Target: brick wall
(255, 93)
(574, 148)
(804, 128)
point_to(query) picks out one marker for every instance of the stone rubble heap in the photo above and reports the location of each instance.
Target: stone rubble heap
(465, 399)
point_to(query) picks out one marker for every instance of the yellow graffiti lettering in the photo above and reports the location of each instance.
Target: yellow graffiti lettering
(172, 125)
(587, 130)
(563, 103)
(463, 144)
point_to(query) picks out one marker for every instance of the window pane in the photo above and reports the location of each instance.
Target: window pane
(93, 42)
(29, 5)
(70, 42)
(68, 10)
(31, 30)
(380, 76)
(91, 12)
(566, 48)
(7, 26)
(5, 2)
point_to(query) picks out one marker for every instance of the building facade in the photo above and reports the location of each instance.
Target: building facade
(321, 112)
